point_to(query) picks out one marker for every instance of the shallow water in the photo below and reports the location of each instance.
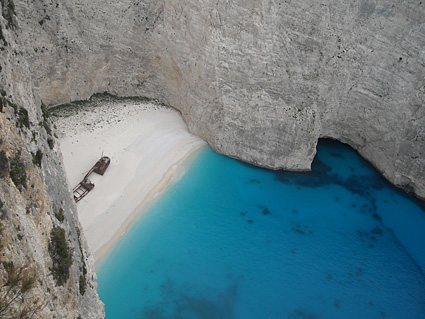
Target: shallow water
(234, 241)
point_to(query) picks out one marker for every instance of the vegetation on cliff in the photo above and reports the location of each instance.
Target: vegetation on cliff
(17, 171)
(4, 164)
(9, 13)
(37, 157)
(40, 267)
(16, 284)
(83, 268)
(60, 254)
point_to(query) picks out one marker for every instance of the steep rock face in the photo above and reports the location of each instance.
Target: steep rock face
(259, 80)
(54, 274)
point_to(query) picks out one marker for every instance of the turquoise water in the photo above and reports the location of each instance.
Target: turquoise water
(234, 241)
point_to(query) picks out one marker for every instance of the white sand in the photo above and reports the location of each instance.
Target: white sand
(147, 144)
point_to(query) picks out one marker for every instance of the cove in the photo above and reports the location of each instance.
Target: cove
(233, 241)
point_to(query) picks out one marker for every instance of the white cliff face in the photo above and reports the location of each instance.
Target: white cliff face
(36, 202)
(259, 80)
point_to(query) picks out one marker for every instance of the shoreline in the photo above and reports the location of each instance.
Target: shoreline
(152, 197)
(149, 146)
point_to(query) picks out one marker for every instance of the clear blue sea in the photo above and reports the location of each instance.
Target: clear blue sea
(233, 241)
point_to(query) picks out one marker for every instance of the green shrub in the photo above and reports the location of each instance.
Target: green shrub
(8, 13)
(59, 216)
(37, 157)
(4, 164)
(83, 268)
(8, 266)
(60, 254)
(27, 283)
(83, 285)
(17, 172)
(18, 282)
(11, 6)
(23, 118)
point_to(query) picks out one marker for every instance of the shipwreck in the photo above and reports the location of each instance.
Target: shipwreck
(85, 186)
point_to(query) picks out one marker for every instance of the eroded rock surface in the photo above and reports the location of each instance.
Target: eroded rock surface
(41, 275)
(259, 80)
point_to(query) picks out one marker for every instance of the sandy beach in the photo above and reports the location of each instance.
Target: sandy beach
(148, 145)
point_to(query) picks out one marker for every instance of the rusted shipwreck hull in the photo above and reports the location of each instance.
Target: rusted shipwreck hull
(85, 186)
(101, 165)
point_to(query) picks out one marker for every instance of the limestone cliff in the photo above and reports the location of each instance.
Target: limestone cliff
(259, 80)
(46, 270)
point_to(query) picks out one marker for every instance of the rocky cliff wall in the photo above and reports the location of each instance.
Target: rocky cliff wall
(46, 270)
(258, 80)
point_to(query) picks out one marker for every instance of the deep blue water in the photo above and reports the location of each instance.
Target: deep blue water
(229, 240)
